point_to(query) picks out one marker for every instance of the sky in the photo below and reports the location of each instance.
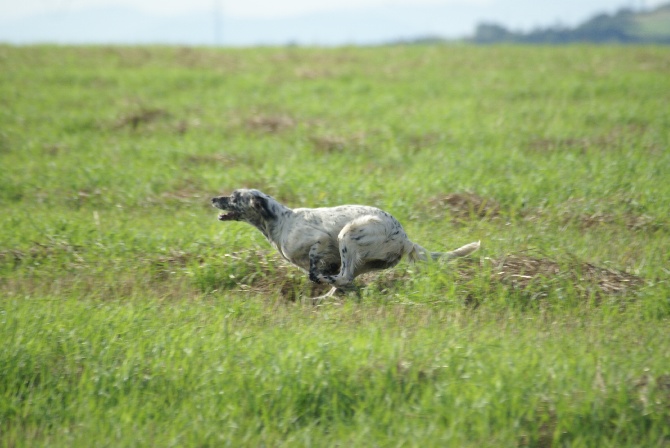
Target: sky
(257, 9)
(264, 8)
(249, 22)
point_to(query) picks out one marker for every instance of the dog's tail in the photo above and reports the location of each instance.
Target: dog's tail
(419, 253)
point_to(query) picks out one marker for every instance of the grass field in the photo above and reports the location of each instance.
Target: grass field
(129, 316)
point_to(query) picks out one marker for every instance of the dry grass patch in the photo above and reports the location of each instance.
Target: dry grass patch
(143, 116)
(270, 124)
(633, 222)
(611, 140)
(572, 213)
(415, 143)
(542, 276)
(154, 118)
(55, 149)
(337, 143)
(463, 206)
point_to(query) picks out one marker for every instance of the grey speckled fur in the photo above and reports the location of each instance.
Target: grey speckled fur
(332, 244)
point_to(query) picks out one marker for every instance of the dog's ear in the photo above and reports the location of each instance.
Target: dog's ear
(261, 204)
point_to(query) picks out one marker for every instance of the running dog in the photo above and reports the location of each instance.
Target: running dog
(333, 245)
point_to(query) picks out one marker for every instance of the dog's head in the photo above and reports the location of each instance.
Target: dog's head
(250, 206)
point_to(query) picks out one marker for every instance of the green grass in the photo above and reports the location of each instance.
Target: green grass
(131, 317)
(240, 373)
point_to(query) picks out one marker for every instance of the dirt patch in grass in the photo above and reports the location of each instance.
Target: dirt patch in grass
(337, 143)
(616, 211)
(520, 270)
(540, 277)
(54, 149)
(463, 206)
(270, 124)
(143, 116)
(632, 222)
(613, 139)
(415, 143)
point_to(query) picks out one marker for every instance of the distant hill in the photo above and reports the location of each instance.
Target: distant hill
(624, 26)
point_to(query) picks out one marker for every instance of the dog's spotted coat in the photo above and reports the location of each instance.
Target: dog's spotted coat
(333, 244)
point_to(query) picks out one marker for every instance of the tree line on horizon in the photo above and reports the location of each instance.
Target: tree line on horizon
(622, 27)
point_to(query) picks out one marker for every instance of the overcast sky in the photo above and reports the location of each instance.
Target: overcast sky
(251, 22)
(270, 8)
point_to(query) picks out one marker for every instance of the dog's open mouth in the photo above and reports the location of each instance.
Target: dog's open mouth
(228, 216)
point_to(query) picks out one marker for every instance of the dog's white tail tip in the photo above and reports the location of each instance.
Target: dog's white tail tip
(466, 250)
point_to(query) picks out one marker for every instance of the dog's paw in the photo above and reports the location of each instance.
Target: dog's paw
(314, 278)
(324, 279)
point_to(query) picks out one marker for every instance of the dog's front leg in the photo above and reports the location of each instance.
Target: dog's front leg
(314, 259)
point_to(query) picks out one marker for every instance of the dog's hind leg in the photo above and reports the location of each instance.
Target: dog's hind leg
(349, 257)
(366, 243)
